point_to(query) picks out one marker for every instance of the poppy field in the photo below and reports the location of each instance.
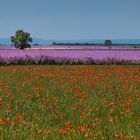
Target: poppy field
(72, 102)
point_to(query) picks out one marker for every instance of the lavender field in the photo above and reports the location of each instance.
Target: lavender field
(65, 55)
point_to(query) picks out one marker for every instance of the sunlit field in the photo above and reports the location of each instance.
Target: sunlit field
(64, 55)
(70, 102)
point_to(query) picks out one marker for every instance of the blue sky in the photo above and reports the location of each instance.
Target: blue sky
(71, 19)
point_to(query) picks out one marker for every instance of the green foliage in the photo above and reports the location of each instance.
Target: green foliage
(21, 40)
(108, 43)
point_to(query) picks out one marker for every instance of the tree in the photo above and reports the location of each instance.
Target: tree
(108, 43)
(21, 40)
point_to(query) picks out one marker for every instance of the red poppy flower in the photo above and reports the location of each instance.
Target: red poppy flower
(40, 132)
(18, 116)
(117, 135)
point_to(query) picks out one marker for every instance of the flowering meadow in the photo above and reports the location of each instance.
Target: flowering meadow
(74, 102)
(70, 56)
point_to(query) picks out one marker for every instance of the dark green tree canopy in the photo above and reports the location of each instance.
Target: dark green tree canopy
(108, 43)
(21, 40)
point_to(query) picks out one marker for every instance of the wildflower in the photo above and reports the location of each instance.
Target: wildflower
(68, 124)
(117, 135)
(39, 131)
(43, 89)
(8, 120)
(81, 99)
(126, 137)
(78, 86)
(128, 110)
(38, 95)
(1, 121)
(137, 99)
(126, 102)
(24, 122)
(87, 124)
(81, 128)
(77, 92)
(62, 131)
(18, 116)
(111, 119)
(1, 101)
(97, 109)
(86, 134)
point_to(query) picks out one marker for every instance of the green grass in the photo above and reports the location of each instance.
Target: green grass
(69, 102)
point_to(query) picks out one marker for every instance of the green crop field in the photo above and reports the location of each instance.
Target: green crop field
(70, 102)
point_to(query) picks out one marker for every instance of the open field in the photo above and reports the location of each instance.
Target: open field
(76, 47)
(70, 55)
(70, 102)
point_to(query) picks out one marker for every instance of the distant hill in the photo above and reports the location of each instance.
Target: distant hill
(38, 41)
(5, 41)
(126, 41)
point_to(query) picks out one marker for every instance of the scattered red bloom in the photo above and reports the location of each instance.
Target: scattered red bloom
(8, 120)
(9, 110)
(126, 102)
(1, 121)
(128, 110)
(39, 132)
(117, 135)
(24, 122)
(68, 124)
(87, 125)
(18, 116)
(77, 92)
(86, 134)
(62, 131)
(126, 137)
(1, 101)
(81, 128)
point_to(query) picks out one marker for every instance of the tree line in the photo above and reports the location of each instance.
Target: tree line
(22, 40)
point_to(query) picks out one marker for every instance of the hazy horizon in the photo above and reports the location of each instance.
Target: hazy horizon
(90, 41)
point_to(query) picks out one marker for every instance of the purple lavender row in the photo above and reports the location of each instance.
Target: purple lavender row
(77, 54)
